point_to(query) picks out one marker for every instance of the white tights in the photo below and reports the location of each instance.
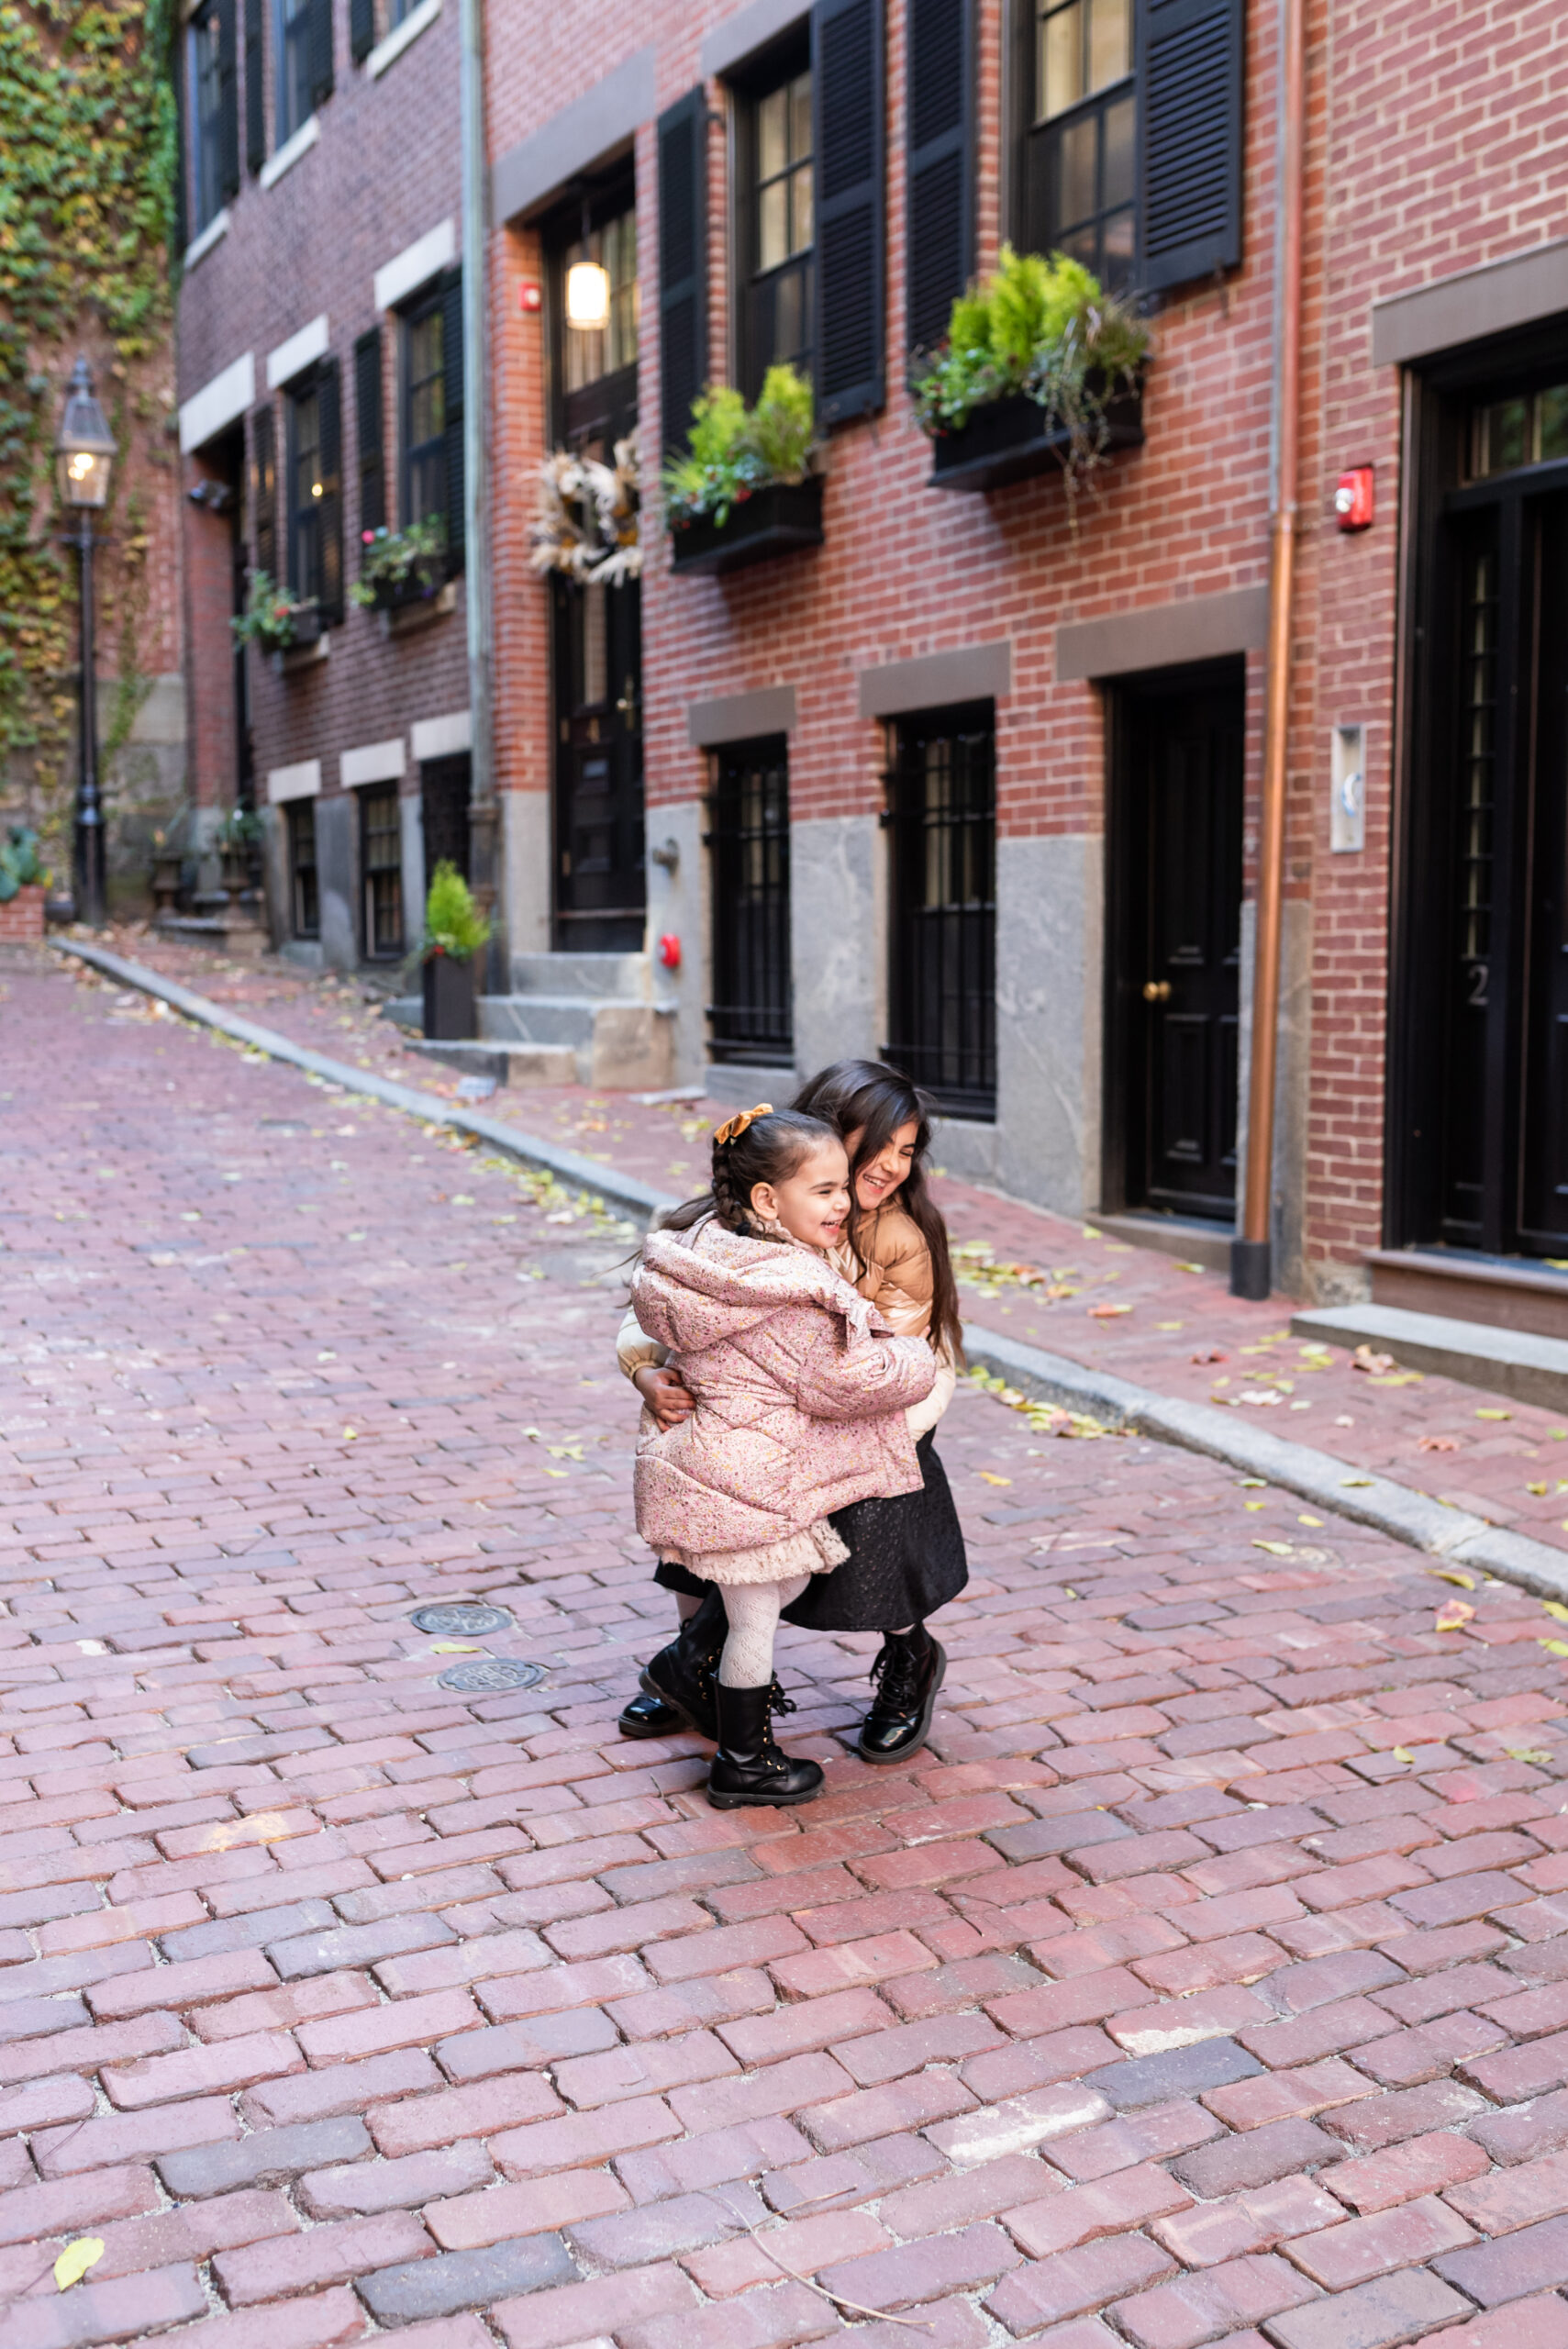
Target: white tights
(753, 1609)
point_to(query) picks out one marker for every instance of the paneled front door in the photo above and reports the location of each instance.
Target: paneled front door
(1176, 897)
(601, 886)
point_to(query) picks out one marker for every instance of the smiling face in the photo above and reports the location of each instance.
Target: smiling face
(812, 1204)
(882, 1175)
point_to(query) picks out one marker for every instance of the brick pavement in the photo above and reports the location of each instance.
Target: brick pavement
(1207, 1981)
(1129, 1310)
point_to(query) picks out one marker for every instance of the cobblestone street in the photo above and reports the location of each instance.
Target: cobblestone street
(1205, 1980)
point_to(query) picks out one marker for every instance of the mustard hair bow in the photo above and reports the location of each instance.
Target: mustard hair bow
(733, 1128)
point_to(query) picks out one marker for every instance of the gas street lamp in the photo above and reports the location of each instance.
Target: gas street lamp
(85, 455)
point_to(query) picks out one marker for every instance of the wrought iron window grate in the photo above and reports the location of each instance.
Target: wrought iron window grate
(942, 813)
(750, 1018)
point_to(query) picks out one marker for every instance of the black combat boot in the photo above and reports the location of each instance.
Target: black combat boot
(909, 1669)
(749, 1767)
(677, 1687)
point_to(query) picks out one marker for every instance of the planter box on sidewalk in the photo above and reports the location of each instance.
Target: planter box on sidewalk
(450, 1003)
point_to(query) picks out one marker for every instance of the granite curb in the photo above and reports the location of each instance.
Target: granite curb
(1451, 1534)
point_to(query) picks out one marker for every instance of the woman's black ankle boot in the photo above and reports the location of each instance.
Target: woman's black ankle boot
(908, 1670)
(678, 1686)
(749, 1767)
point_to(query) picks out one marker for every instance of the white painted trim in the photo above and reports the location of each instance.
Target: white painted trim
(293, 356)
(442, 738)
(302, 781)
(218, 402)
(386, 52)
(416, 264)
(217, 229)
(373, 763)
(289, 153)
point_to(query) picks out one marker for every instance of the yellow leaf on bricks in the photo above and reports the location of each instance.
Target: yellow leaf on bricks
(1355, 1480)
(1554, 1607)
(1275, 1548)
(1403, 1753)
(987, 1478)
(1453, 1574)
(1485, 1413)
(75, 2260)
(1305, 1519)
(1553, 1647)
(1453, 1614)
(454, 1647)
(350, 1435)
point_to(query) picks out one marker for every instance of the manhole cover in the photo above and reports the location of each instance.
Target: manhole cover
(462, 1619)
(491, 1673)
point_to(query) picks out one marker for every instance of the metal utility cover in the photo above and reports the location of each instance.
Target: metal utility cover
(462, 1619)
(491, 1673)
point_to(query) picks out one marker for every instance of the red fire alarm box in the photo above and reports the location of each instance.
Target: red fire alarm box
(1353, 499)
(530, 296)
(670, 950)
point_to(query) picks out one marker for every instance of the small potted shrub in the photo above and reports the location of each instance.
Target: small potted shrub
(239, 845)
(455, 932)
(1038, 366)
(273, 619)
(746, 489)
(401, 567)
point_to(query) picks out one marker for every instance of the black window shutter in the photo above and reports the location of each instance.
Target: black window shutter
(369, 428)
(1189, 108)
(228, 98)
(361, 28)
(255, 87)
(264, 492)
(939, 227)
(682, 255)
(453, 397)
(320, 40)
(847, 70)
(179, 79)
(329, 522)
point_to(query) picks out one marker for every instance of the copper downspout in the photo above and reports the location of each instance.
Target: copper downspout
(1251, 1268)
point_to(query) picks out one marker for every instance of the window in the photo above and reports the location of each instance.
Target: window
(381, 860)
(593, 352)
(208, 95)
(749, 837)
(305, 900)
(942, 813)
(424, 412)
(779, 231)
(1083, 145)
(296, 79)
(1529, 429)
(304, 492)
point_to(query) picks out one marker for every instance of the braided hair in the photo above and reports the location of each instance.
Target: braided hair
(768, 1148)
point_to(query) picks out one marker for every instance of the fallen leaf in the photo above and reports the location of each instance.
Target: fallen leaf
(1089, 1232)
(1252, 1483)
(1068, 1591)
(350, 1434)
(454, 1647)
(1255, 1505)
(1182, 1267)
(1213, 1354)
(1536, 1753)
(1403, 1753)
(1553, 1647)
(555, 1472)
(1437, 1443)
(1275, 1548)
(1485, 1412)
(1535, 1488)
(1554, 1607)
(1453, 1614)
(1107, 1312)
(1453, 1574)
(75, 2260)
(1355, 1480)
(1170, 1325)
(1364, 1358)
(1304, 1520)
(987, 1478)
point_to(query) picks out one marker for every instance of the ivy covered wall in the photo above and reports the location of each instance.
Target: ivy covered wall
(87, 200)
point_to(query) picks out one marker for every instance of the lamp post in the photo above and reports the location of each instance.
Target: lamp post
(85, 452)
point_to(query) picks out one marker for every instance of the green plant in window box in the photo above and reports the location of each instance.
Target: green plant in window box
(1045, 330)
(402, 566)
(736, 451)
(273, 617)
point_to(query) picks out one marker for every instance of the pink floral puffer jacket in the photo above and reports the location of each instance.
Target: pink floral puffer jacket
(800, 1389)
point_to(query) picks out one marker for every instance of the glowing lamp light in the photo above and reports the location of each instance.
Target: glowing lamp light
(587, 296)
(84, 447)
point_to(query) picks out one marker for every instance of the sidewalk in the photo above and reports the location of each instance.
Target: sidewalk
(1130, 1311)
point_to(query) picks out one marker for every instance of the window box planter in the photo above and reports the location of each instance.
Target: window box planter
(422, 585)
(1007, 440)
(451, 1010)
(773, 521)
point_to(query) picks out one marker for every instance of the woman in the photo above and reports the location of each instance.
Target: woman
(906, 1556)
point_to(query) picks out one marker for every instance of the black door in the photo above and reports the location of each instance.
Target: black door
(1480, 1122)
(1176, 945)
(748, 838)
(445, 787)
(941, 812)
(601, 888)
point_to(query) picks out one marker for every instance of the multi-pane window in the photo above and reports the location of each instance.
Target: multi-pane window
(1084, 145)
(293, 75)
(381, 860)
(307, 488)
(782, 230)
(424, 412)
(749, 837)
(593, 352)
(304, 899)
(941, 812)
(1529, 429)
(206, 118)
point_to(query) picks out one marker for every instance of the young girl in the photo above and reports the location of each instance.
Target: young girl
(907, 1554)
(800, 1392)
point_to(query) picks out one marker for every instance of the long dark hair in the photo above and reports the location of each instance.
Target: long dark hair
(870, 1098)
(768, 1148)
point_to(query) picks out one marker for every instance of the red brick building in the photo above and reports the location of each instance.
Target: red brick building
(968, 783)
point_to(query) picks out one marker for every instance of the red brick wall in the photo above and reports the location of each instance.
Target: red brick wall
(21, 917)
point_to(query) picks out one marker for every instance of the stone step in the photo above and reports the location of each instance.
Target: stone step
(1530, 1368)
(509, 1064)
(615, 977)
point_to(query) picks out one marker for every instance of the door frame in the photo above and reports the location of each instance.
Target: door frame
(1125, 932)
(1437, 401)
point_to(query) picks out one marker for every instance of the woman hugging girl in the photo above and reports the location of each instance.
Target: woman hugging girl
(906, 1555)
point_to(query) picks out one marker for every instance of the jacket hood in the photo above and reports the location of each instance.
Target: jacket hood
(693, 1289)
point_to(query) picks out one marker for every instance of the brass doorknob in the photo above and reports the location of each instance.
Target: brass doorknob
(1156, 990)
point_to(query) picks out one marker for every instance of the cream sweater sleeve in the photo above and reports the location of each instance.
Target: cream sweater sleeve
(636, 1351)
(921, 1418)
